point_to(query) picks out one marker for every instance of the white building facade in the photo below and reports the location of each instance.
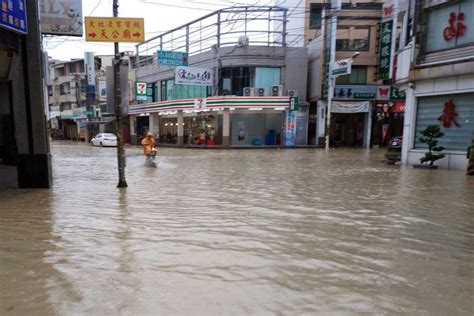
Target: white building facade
(435, 67)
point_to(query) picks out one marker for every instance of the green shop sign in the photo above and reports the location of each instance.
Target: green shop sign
(141, 91)
(385, 53)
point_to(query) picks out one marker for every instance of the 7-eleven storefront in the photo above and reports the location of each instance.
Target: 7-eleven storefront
(216, 121)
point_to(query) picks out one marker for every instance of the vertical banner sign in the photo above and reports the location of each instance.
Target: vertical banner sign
(141, 91)
(385, 53)
(294, 103)
(13, 15)
(289, 129)
(90, 67)
(388, 37)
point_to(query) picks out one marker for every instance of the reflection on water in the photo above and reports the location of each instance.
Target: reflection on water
(238, 232)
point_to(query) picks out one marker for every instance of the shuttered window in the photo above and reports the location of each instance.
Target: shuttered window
(430, 109)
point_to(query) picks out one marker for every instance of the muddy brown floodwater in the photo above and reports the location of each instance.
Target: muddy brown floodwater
(238, 232)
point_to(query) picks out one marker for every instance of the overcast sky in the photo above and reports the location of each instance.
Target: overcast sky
(159, 15)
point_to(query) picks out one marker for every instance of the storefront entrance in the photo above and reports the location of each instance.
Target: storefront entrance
(8, 148)
(388, 122)
(347, 129)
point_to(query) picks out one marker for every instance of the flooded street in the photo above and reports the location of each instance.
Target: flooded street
(238, 232)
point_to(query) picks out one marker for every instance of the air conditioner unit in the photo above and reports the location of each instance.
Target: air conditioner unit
(243, 41)
(261, 92)
(277, 91)
(292, 93)
(249, 92)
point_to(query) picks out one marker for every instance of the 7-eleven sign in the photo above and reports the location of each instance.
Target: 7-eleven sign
(141, 91)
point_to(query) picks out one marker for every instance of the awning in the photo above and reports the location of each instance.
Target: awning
(104, 120)
(350, 107)
(211, 103)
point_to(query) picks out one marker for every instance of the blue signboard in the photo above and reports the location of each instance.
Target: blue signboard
(13, 15)
(172, 58)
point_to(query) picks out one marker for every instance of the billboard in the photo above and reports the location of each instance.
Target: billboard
(102, 90)
(341, 67)
(13, 16)
(61, 17)
(351, 92)
(172, 58)
(104, 29)
(193, 76)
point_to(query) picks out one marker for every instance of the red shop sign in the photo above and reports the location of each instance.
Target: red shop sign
(456, 26)
(449, 115)
(398, 107)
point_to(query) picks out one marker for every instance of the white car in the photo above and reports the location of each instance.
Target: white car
(104, 139)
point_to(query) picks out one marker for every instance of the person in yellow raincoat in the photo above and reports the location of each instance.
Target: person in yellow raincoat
(148, 144)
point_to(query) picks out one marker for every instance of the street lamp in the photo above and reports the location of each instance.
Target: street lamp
(332, 79)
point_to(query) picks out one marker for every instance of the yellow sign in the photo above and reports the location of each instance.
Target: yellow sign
(115, 29)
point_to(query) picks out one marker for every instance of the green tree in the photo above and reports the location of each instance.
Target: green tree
(430, 137)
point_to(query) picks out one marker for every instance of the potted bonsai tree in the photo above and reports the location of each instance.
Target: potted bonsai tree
(430, 136)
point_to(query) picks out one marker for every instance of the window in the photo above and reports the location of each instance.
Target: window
(64, 106)
(315, 16)
(353, 38)
(456, 137)
(358, 76)
(150, 92)
(64, 88)
(163, 95)
(266, 78)
(233, 80)
(352, 45)
(172, 91)
(438, 36)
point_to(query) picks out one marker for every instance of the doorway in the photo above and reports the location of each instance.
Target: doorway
(347, 130)
(8, 148)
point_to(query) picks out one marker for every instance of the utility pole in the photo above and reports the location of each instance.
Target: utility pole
(335, 6)
(118, 110)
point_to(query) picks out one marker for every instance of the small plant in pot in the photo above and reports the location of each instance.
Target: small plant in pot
(429, 136)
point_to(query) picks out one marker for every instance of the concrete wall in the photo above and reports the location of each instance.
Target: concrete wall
(432, 87)
(311, 34)
(294, 63)
(315, 69)
(296, 71)
(33, 159)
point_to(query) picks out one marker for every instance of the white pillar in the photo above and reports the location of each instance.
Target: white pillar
(321, 120)
(133, 133)
(368, 127)
(226, 128)
(180, 127)
(408, 124)
(152, 123)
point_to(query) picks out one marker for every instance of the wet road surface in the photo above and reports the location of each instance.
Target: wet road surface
(238, 232)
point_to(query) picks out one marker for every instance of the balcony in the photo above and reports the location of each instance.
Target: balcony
(67, 98)
(352, 45)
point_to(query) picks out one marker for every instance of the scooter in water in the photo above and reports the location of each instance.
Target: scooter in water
(150, 158)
